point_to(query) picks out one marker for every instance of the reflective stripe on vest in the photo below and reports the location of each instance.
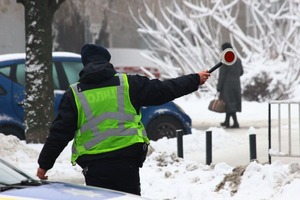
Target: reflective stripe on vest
(93, 122)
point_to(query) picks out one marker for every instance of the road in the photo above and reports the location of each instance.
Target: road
(239, 154)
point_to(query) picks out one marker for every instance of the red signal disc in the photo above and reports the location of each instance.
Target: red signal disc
(229, 56)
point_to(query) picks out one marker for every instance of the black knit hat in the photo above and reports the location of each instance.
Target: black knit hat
(92, 52)
(226, 45)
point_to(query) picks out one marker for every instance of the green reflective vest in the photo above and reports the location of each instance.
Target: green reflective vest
(107, 120)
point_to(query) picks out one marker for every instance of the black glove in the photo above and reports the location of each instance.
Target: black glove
(143, 154)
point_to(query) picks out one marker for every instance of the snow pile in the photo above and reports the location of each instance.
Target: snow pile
(166, 176)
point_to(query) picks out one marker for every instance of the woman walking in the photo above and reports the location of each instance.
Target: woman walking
(229, 86)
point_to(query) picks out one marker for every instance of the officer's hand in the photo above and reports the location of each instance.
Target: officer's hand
(41, 173)
(204, 75)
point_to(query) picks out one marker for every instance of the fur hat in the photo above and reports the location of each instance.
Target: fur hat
(226, 45)
(92, 52)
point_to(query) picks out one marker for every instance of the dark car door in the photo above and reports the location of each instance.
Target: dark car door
(60, 80)
(7, 109)
(13, 83)
(66, 72)
(18, 90)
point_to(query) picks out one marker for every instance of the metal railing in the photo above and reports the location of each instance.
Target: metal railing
(286, 140)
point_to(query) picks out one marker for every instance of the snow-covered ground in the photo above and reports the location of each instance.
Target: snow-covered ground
(165, 176)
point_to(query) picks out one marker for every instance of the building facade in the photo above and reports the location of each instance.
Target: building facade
(109, 23)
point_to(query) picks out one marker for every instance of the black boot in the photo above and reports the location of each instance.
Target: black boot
(226, 122)
(235, 122)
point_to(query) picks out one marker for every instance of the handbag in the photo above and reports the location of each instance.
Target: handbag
(217, 105)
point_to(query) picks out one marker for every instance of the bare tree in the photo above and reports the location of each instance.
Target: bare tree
(188, 36)
(38, 105)
(69, 35)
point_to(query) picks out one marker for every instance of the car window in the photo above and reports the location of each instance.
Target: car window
(8, 175)
(55, 78)
(20, 74)
(72, 70)
(5, 71)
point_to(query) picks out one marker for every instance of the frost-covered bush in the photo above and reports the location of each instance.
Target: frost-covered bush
(185, 36)
(261, 88)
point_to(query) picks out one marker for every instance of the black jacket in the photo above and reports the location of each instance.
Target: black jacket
(229, 86)
(142, 90)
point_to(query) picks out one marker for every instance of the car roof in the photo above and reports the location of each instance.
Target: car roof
(120, 57)
(21, 56)
(130, 57)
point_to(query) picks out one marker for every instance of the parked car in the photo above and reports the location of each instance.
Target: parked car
(160, 121)
(17, 184)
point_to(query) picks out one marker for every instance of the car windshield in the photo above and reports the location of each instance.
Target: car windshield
(10, 175)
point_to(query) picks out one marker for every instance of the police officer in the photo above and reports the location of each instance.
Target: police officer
(101, 114)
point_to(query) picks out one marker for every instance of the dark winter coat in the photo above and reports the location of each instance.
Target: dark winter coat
(229, 86)
(143, 92)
